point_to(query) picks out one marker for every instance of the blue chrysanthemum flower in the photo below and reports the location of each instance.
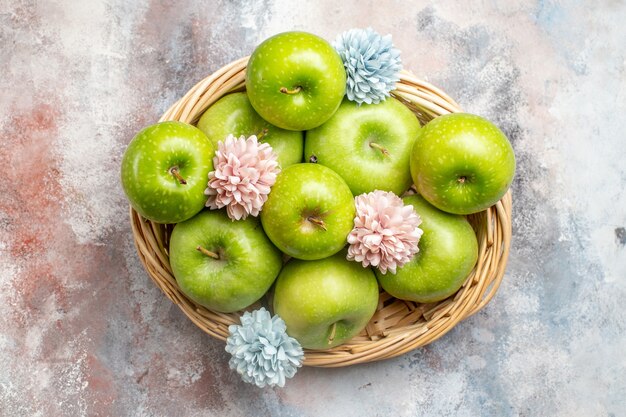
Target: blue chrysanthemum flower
(262, 351)
(372, 64)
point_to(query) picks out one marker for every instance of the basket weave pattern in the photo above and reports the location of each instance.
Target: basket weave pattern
(397, 326)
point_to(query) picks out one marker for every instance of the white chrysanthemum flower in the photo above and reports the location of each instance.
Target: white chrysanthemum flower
(372, 64)
(244, 172)
(385, 233)
(262, 351)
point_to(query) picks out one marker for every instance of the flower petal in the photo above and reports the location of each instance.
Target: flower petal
(244, 172)
(262, 352)
(385, 233)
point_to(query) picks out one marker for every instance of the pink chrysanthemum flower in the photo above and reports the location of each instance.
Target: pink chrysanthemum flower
(385, 233)
(245, 170)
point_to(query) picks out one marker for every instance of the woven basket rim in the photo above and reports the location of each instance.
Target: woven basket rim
(397, 326)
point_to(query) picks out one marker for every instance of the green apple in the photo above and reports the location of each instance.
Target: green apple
(448, 251)
(325, 302)
(295, 80)
(233, 114)
(221, 264)
(309, 212)
(368, 145)
(165, 171)
(462, 163)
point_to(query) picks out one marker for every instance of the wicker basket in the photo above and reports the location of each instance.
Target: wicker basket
(397, 326)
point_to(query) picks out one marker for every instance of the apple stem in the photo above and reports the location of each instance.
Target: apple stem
(333, 330)
(462, 179)
(262, 133)
(380, 148)
(208, 252)
(317, 221)
(296, 90)
(174, 171)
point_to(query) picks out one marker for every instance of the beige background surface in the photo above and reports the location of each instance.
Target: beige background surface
(83, 331)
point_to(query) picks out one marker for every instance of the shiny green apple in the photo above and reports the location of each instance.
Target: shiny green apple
(325, 302)
(233, 114)
(309, 212)
(295, 80)
(368, 145)
(462, 163)
(165, 171)
(222, 264)
(448, 251)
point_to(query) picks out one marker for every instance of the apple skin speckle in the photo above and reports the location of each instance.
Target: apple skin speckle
(146, 175)
(448, 252)
(343, 144)
(290, 60)
(248, 266)
(304, 190)
(233, 114)
(311, 296)
(474, 148)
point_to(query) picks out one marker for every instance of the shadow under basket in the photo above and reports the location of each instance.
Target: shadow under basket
(397, 326)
